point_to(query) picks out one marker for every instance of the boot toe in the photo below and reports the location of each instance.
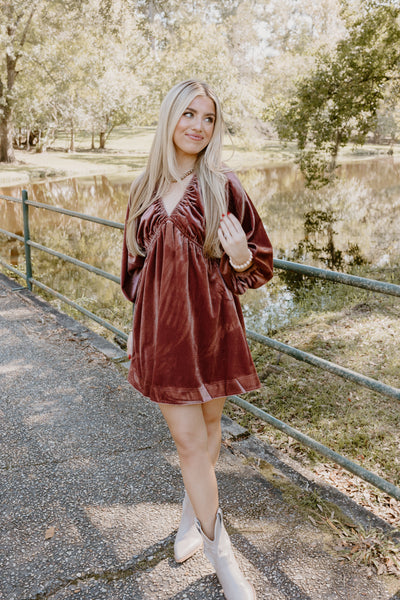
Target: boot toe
(186, 546)
(238, 589)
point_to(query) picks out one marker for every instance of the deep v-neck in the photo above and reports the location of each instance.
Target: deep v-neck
(181, 199)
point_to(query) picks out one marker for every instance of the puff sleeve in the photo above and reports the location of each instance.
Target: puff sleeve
(261, 269)
(131, 269)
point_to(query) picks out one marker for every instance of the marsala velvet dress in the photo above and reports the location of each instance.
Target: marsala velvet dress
(189, 343)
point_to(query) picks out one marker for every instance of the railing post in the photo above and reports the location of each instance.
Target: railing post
(28, 262)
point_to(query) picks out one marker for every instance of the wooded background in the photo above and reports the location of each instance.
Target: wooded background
(322, 73)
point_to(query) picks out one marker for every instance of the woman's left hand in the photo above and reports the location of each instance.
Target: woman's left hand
(129, 345)
(233, 239)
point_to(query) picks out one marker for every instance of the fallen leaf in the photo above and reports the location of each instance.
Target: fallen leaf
(49, 533)
(331, 524)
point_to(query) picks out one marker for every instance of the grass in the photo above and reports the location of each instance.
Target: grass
(376, 549)
(127, 149)
(358, 330)
(124, 156)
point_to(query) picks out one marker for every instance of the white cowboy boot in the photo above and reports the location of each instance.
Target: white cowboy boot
(188, 539)
(220, 554)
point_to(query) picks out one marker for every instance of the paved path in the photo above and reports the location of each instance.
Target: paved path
(87, 463)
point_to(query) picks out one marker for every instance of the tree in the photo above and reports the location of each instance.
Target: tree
(195, 40)
(16, 21)
(294, 34)
(31, 32)
(339, 100)
(119, 65)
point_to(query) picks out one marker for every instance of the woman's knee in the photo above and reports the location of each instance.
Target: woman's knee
(188, 429)
(190, 445)
(212, 415)
(213, 428)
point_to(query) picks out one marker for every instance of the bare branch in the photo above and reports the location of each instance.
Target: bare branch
(27, 24)
(43, 66)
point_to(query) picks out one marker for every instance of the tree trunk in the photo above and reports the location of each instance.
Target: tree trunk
(13, 53)
(6, 122)
(335, 152)
(103, 139)
(72, 139)
(39, 145)
(93, 144)
(6, 138)
(45, 140)
(104, 133)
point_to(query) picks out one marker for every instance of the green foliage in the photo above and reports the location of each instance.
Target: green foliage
(317, 224)
(339, 100)
(314, 162)
(98, 64)
(319, 245)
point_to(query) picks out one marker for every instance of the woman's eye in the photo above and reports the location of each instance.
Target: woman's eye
(210, 119)
(188, 114)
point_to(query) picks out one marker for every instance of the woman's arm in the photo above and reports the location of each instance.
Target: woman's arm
(131, 270)
(261, 268)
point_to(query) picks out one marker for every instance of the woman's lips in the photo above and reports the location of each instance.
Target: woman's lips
(196, 138)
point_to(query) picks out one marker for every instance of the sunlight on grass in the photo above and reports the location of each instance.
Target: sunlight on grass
(126, 153)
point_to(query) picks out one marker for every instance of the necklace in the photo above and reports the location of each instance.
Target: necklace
(189, 172)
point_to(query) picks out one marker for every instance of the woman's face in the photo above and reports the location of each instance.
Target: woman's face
(195, 128)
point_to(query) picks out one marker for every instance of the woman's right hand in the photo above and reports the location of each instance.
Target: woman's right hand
(129, 345)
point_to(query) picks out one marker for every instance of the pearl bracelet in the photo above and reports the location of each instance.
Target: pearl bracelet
(244, 265)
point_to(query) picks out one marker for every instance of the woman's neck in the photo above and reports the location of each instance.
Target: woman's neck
(185, 162)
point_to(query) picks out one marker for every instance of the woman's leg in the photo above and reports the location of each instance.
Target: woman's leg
(190, 429)
(212, 412)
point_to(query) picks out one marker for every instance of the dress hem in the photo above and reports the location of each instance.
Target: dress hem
(216, 390)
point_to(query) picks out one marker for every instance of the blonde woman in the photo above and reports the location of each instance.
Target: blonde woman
(193, 242)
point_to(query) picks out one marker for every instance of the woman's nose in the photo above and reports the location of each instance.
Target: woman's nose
(197, 123)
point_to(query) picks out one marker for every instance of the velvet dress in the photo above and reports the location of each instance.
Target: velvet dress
(189, 342)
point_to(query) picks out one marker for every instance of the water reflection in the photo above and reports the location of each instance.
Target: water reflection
(365, 199)
(96, 195)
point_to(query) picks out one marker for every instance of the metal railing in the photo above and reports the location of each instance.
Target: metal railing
(28, 244)
(360, 282)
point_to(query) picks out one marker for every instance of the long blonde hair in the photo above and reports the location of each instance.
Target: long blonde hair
(162, 168)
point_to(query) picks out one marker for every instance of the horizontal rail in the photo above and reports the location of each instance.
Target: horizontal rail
(10, 198)
(12, 235)
(75, 261)
(315, 361)
(84, 311)
(361, 282)
(11, 268)
(78, 215)
(379, 482)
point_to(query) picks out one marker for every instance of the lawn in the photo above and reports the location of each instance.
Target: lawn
(127, 150)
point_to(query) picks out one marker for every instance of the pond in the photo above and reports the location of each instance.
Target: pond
(365, 202)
